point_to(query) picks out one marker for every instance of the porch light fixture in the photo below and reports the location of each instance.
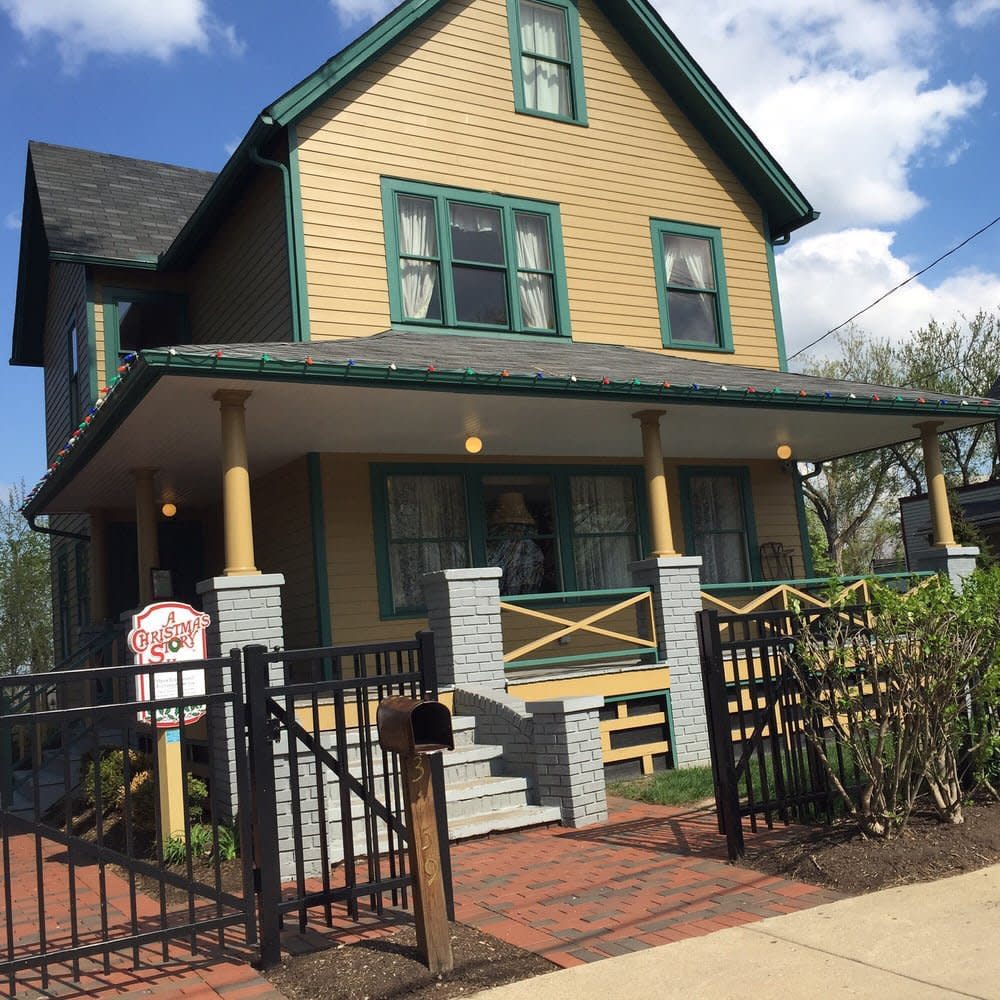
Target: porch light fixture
(473, 444)
(168, 509)
(784, 452)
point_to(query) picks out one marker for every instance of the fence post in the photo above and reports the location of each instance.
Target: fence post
(429, 683)
(727, 796)
(267, 874)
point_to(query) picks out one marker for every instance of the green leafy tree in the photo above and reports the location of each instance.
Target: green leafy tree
(25, 591)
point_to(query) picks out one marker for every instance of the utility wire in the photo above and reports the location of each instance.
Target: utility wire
(886, 295)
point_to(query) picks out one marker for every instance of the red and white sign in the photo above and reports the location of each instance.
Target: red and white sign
(169, 632)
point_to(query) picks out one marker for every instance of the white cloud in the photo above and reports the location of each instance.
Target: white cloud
(824, 279)
(969, 13)
(121, 27)
(838, 90)
(12, 220)
(354, 11)
(230, 147)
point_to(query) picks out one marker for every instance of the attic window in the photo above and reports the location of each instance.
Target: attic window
(547, 66)
(139, 320)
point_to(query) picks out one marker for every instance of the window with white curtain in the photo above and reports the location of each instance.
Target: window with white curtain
(691, 285)
(547, 67)
(467, 259)
(718, 523)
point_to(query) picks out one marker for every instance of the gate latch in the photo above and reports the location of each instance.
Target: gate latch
(273, 730)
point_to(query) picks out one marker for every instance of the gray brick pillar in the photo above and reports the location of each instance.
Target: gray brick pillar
(244, 610)
(463, 612)
(957, 562)
(676, 587)
(569, 768)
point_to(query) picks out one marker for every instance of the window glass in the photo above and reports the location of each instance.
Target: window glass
(547, 59)
(605, 530)
(521, 533)
(718, 524)
(484, 265)
(146, 322)
(427, 532)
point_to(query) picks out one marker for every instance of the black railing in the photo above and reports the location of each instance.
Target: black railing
(104, 851)
(764, 765)
(325, 792)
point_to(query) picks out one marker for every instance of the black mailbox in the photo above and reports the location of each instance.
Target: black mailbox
(407, 726)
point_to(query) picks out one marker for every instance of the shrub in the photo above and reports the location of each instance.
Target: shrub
(907, 698)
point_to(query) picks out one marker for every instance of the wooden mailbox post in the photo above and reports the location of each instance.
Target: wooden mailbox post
(414, 730)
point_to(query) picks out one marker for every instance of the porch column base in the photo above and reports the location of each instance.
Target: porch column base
(463, 612)
(676, 587)
(569, 766)
(244, 610)
(957, 562)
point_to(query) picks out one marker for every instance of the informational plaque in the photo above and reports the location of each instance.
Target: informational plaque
(162, 633)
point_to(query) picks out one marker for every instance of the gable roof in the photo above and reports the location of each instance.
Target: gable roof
(660, 50)
(96, 205)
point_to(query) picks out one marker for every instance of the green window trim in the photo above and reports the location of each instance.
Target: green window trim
(73, 374)
(112, 336)
(665, 227)
(685, 473)
(472, 476)
(574, 63)
(442, 197)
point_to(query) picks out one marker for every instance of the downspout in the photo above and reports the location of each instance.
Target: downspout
(54, 531)
(293, 262)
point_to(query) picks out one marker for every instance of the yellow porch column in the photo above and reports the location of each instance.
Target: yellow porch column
(146, 531)
(937, 491)
(98, 569)
(656, 483)
(238, 522)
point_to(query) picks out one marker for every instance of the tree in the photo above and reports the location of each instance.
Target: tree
(25, 591)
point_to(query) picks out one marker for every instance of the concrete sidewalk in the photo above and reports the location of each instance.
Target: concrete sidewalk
(936, 939)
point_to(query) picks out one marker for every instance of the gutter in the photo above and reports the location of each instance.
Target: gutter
(30, 518)
(293, 260)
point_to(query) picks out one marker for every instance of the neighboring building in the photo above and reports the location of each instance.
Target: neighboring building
(980, 506)
(520, 222)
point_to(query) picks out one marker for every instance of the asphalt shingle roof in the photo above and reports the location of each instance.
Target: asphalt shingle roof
(101, 205)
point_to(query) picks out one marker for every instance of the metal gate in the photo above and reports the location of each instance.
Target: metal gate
(87, 870)
(325, 793)
(763, 764)
(87, 874)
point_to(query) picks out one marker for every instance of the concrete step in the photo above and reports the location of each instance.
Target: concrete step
(467, 761)
(518, 818)
(482, 795)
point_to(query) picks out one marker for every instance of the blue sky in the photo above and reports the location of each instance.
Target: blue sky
(885, 112)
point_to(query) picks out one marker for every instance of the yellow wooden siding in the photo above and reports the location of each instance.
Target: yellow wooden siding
(439, 108)
(238, 291)
(67, 304)
(283, 544)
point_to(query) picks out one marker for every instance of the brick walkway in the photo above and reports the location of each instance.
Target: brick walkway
(649, 876)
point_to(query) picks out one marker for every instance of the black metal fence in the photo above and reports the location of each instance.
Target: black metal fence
(322, 824)
(88, 819)
(340, 821)
(764, 766)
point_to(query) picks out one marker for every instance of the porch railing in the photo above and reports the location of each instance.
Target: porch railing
(605, 639)
(815, 592)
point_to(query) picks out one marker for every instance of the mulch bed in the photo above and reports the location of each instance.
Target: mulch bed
(838, 857)
(387, 968)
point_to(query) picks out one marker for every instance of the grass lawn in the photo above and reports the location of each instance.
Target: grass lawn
(667, 788)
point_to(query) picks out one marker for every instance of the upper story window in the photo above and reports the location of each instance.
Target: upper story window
(545, 53)
(465, 259)
(138, 320)
(691, 286)
(73, 374)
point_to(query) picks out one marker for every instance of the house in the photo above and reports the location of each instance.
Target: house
(494, 286)
(980, 507)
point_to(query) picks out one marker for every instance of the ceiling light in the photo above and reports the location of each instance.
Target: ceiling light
(473, 444)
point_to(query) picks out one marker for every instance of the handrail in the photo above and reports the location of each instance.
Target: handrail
(574, 595)
(810, 581)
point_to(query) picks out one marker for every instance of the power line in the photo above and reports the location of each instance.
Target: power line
(886, 295)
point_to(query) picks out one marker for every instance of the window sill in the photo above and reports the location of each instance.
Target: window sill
(463, 331)
(674, 345)
(550, 116)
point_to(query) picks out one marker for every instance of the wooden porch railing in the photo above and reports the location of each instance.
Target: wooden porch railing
(640, 642)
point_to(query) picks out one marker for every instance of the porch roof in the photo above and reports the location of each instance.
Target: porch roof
(420, 393)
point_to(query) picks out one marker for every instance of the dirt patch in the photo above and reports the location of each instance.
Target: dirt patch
(839, 858)
(387, 968)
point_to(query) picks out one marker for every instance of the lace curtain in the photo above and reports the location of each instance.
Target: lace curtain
(535, 290)
(417, 237)
(604, 530)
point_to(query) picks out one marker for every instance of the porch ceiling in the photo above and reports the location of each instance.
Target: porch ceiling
(163, 415)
